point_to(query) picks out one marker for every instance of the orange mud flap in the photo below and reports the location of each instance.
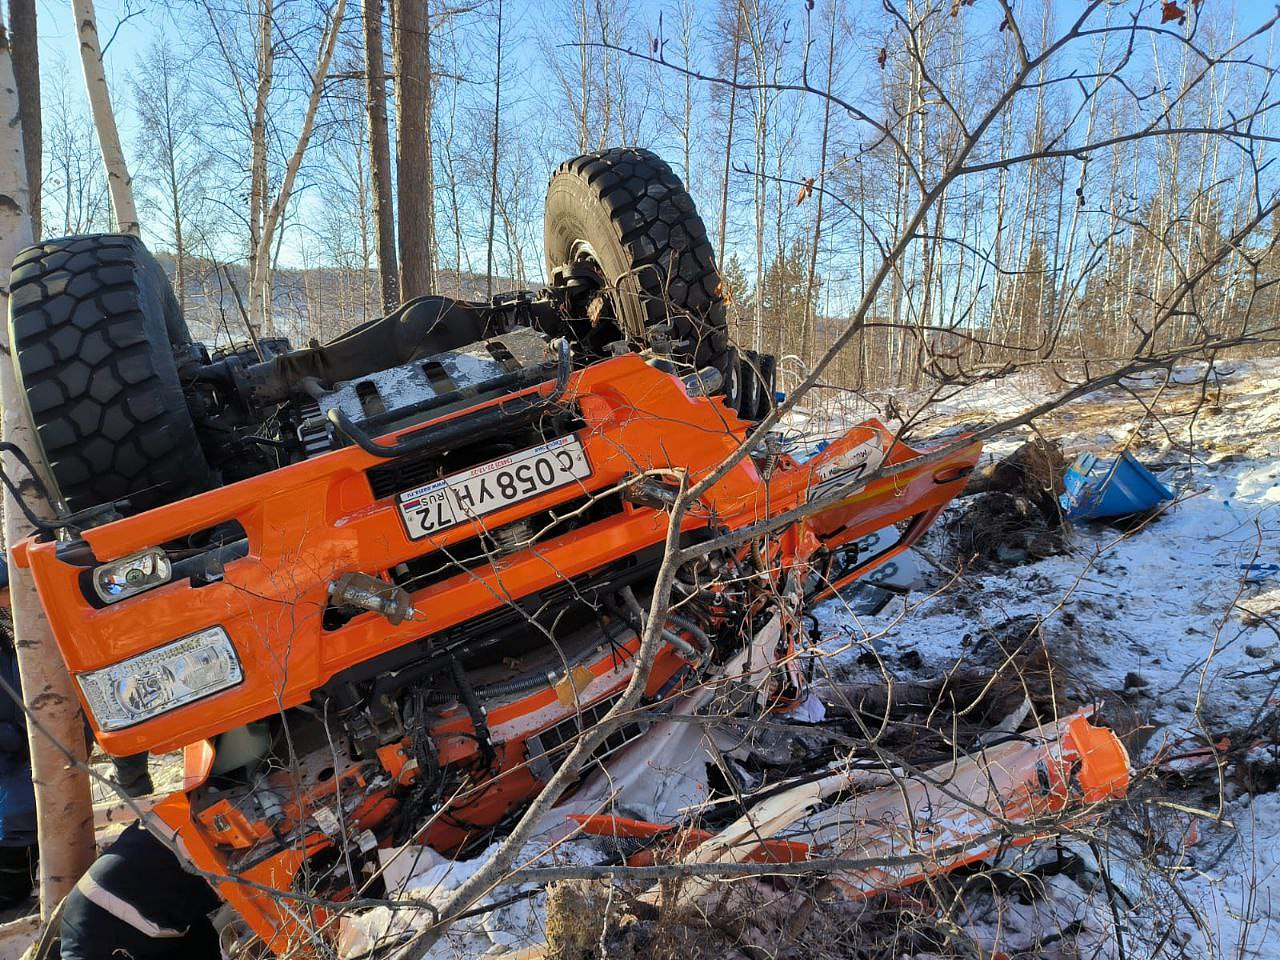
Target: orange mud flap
(911, 826)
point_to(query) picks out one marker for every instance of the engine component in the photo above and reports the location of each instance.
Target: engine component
(385, 399)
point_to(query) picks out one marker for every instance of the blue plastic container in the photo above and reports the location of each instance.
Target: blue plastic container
(1098, 489)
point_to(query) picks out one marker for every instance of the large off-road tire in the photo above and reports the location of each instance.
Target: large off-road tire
(91, 320)
(624, 216)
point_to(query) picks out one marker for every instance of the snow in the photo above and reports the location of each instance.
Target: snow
(1182, 610)
(1172, 628)
(514, 924)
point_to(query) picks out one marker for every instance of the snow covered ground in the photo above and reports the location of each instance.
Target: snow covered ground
(1172, 628)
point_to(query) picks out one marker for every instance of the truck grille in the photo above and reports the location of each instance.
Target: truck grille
(484, 548)
(546, 750)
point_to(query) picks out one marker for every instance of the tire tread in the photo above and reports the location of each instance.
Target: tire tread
(666, 241)
(92, 354)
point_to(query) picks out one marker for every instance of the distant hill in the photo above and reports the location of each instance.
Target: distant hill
(319, 303)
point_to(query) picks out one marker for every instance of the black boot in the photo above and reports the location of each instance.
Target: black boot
(132, 775)
(17, 874)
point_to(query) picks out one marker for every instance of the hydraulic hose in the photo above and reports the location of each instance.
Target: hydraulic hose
(684, 623)
(673, 638)
(530, 681)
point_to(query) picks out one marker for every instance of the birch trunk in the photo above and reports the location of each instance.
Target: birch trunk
(264, 256)
(493, 170)
(64, 811)
(26, 71)
(728, 149)
(119, 183)
(761, 104)
(428, 158)
(810, 307)
(582, 23)
(259, 264)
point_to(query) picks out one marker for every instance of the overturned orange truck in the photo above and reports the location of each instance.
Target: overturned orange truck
(376, 587)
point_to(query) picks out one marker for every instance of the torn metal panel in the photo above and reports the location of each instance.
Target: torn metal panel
(957, 813)
(909, 826)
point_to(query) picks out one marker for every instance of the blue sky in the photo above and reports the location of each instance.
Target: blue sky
(132, 26)
(534, 113)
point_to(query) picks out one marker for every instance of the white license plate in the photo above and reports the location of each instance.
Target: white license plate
(491, 486)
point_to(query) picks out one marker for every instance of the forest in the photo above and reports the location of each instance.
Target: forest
(284, 167)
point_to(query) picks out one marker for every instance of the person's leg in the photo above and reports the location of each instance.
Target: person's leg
(17, 872)
(18, 853)
(89, 932)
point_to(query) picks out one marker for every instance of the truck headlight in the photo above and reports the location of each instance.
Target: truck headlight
(131, 575)
(162, 679)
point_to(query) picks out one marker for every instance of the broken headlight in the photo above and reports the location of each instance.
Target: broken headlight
(162, 679)
(131, 575)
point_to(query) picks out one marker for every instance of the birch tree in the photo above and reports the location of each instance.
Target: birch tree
(493, 146)
(119, 182)
(254, 77)
(74, 191)
(173, 150)
(734, 37)
(26, 72)
(64, 812)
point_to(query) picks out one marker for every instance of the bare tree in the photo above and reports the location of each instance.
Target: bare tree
(410, 40)
(810, 299)
(346, 225)
(607, 101)
(380, 154)
(734, 35)
(494, 144)
(253, 76)
(452, 165)
(74, 193)
(26, 73)
(173, 152)
(761, 28)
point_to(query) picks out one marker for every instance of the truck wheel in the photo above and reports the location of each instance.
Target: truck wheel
(767, 372)
(752, 395)
(622, 233)
(91, 320)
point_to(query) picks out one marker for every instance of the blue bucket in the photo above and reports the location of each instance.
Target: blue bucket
(1099, 489)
